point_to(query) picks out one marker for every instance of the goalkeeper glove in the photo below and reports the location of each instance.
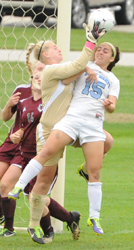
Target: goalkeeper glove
(93, 33)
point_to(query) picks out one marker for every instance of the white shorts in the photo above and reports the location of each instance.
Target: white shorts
(90, 130)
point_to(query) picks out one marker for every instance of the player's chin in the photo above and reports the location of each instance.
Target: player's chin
(39, 86)
(61, 57)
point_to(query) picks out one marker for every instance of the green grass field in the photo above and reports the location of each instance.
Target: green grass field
(118, 166)
(118, 185)
(26, 36)
(117, 204)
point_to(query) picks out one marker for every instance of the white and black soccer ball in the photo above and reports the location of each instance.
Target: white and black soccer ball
(104, 18)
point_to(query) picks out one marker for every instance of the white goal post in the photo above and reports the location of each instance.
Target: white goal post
(63, 42)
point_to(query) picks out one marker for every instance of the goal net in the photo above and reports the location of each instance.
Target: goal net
(33, 24)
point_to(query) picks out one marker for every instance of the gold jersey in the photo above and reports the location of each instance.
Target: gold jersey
(56, 96)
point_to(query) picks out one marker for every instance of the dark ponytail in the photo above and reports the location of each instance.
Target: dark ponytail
(117, 58)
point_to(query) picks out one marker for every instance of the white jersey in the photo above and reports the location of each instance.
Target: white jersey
(88, 98)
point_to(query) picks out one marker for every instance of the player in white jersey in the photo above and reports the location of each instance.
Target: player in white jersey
(84, 120)
(95, 91)
(52, 89)
(90, 96)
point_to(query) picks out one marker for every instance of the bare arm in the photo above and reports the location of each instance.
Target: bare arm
(110, 104)
(7, 111)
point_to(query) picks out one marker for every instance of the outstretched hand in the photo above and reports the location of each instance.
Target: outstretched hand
(93, 33)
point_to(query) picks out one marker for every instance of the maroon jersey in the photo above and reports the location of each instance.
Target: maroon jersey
(30, 113)
(8, 149)
(25, 90)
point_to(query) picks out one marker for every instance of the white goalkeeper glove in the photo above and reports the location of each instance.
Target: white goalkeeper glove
(93, 33)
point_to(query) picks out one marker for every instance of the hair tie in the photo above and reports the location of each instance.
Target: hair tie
(40, 50)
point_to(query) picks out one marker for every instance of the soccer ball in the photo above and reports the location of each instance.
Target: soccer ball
(104, 18)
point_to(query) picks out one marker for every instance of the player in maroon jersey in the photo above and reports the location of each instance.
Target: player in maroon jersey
(9, 152)
(11, 161)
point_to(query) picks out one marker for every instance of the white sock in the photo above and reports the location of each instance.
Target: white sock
(31, 170)
(95, 198)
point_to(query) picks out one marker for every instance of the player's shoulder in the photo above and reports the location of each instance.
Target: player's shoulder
(55, 66)
(49, 67)
(24, 89)
(93, 65)
(23, 86)
(90, 63)
(47, 71)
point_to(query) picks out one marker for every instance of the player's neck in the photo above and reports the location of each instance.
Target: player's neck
(36, 95)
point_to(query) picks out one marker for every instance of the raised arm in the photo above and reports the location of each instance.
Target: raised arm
(66, 70)
(7, 111)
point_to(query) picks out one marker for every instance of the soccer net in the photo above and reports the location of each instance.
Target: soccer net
(16, 34)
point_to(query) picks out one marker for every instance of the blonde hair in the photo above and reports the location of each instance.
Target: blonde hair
(28, 63)
(31, 66)
(37, 49)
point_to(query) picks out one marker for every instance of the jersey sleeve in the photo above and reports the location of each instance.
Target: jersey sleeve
(65, 70)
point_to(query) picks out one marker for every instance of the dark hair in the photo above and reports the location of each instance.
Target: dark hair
(116, 59)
